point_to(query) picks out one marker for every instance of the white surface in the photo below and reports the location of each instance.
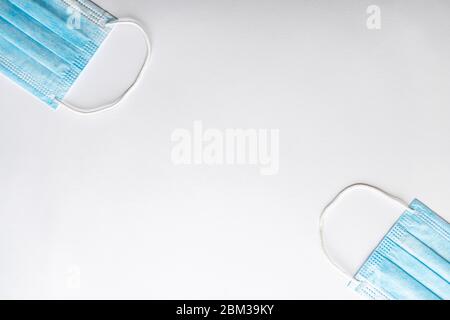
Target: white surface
(96, 201)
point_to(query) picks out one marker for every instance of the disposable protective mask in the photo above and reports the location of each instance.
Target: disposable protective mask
(46, 44)
(412, 260)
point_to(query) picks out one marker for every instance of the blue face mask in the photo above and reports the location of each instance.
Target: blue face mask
(46, 44)
(412, 260)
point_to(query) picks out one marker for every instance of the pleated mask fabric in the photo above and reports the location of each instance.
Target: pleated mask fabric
(46, 44)
(411, 262)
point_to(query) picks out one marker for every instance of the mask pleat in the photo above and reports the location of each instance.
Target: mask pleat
(424, 253)
(412, 265)
(433, 219)
(45, 44)
(90, 16)
(27, 72)
(429, 229)
(426, 233)
(35, 50)
(411, 262)
(383, 273)
(51, 21)
(37, 31)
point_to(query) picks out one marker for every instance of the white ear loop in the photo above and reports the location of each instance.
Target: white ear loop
(325, 212)
(135, 82)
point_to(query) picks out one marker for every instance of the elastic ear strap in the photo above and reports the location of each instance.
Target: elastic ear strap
(325, 212)
(135, 82)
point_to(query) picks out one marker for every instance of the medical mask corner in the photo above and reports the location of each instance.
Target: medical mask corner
(46, 44)
(410, 262)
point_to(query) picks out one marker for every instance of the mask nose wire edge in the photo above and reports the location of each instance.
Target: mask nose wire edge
(122, 21)
(325, 212)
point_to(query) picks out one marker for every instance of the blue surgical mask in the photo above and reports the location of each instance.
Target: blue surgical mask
(46, 44)
(412, 260)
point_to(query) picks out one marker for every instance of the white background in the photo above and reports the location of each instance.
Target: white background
(92, 206)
